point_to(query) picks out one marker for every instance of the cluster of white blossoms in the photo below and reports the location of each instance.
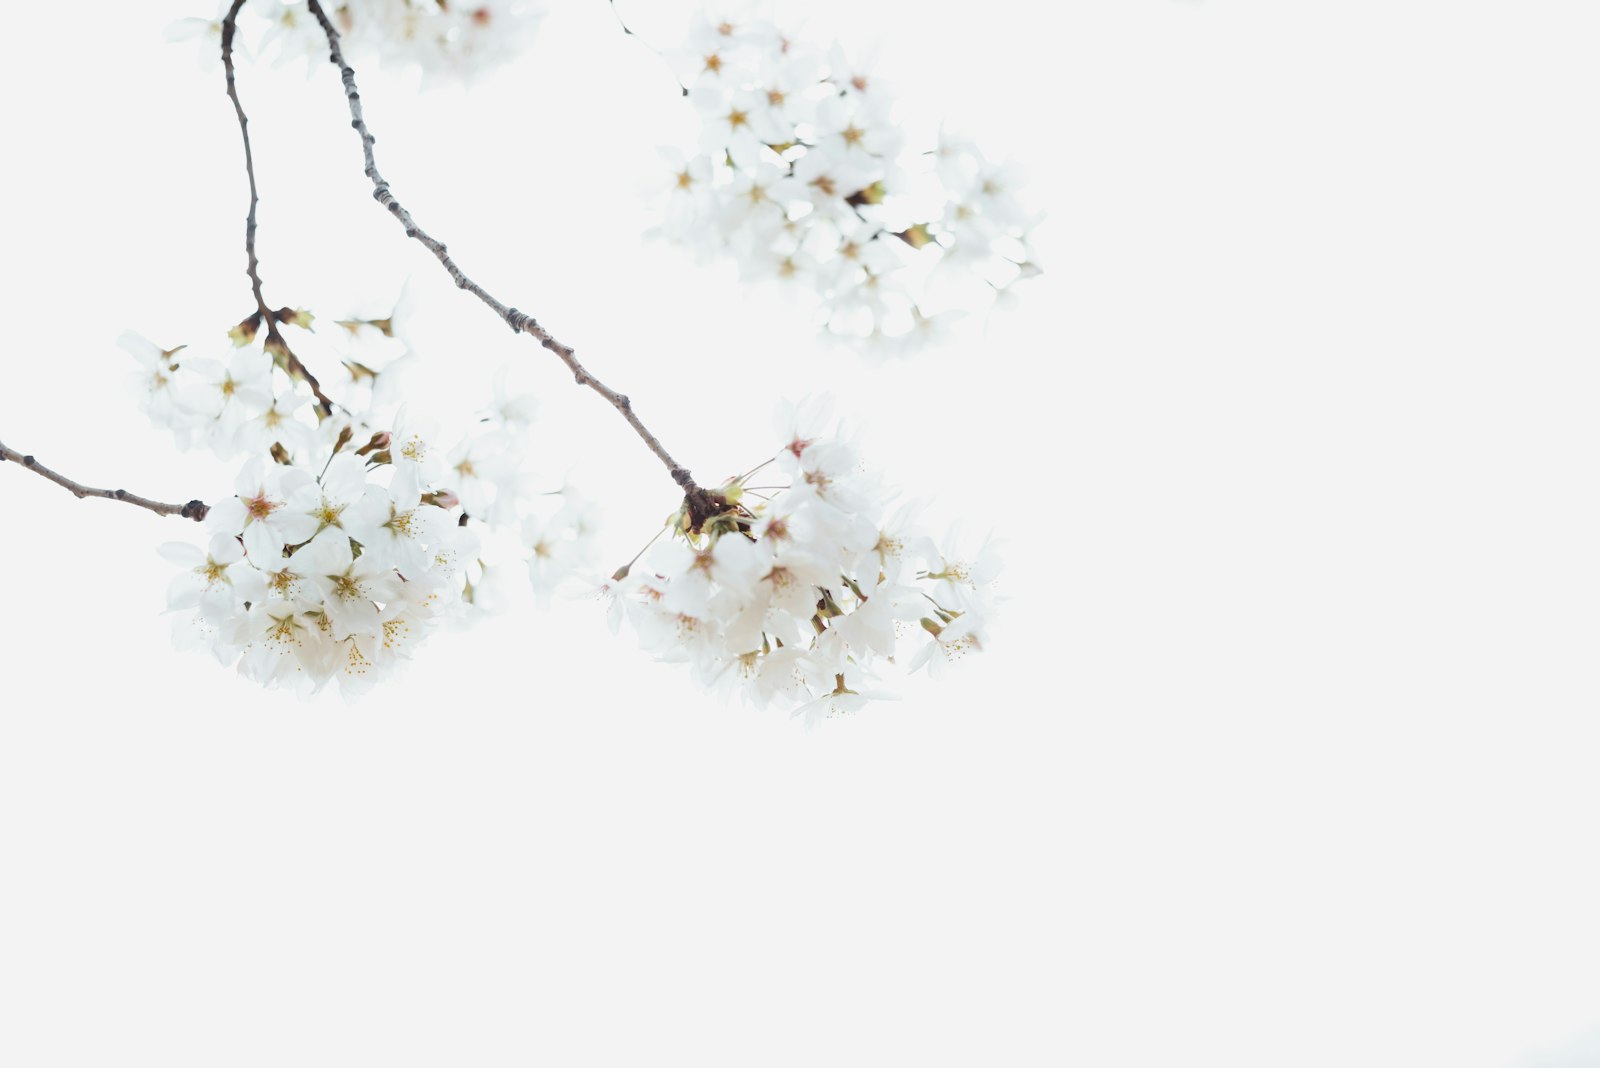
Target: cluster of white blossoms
(229, 402)
(350, 535)
(318, 575)
(803, 175)
(355, 529)
(799, 587)
(444, 39)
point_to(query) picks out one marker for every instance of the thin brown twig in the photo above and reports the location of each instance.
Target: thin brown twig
(701, 503)
(265, 316)
(683, 90)
(195, 510)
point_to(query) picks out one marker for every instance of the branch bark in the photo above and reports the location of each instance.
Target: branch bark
(195, 510)
(701, 503)
(265, 315)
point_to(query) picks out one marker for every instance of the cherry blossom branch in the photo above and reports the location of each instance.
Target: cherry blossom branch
(195, 510)
(264, 315)
(701, 502)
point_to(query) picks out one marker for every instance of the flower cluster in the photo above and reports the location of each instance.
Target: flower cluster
(444, 39)
(311, 576)
(351, 534)
(230, 402)
(803, 175)
(797, 587)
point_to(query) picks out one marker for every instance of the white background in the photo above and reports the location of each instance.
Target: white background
(1285, 755)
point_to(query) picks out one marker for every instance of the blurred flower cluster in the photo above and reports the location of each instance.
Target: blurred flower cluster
(356, 529)
(799, 585)
(803, 174)
(446, 40)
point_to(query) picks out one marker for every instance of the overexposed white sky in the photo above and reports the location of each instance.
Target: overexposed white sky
(1284, 753)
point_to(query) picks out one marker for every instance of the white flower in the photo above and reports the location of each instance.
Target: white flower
(873, 625)
(480, 468)
(208, 35)
(513, 412)
(951, 642)
(457, 547)
(292, 32)
(858, 250)
(557, 549)
(788, 94)
(156, 380)
(282, 645)
(415, 453)
(855, 77)
(851, 129)
(260, 513)
(209, 578)
(291, 581)
(959, 570)
(342, 498)
(229, 389)
(826, 182)
(405, 540)
(277, 424)
(350, 585)
(758, 197)
(685, 187)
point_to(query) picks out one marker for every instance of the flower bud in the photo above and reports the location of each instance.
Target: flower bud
(245, 332)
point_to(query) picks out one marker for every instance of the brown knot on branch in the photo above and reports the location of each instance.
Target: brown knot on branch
(701, 505)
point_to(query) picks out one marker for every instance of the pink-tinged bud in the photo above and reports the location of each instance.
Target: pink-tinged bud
(447, 499)
(377, 443)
